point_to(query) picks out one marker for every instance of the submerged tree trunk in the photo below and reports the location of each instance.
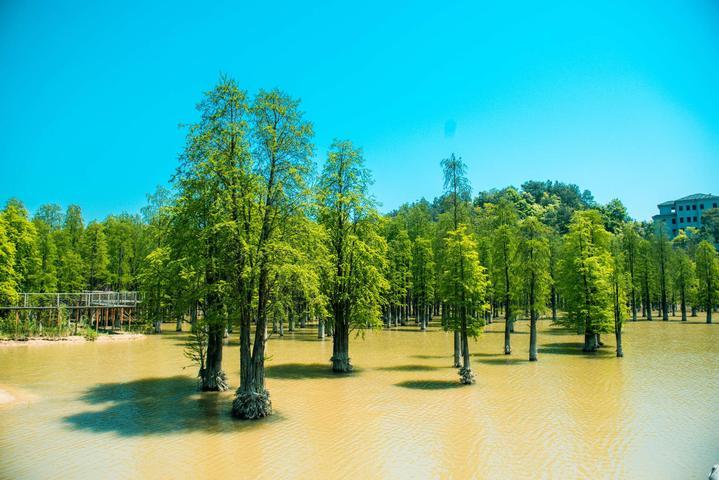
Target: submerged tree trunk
(466, 376)
(252, 400)
(457, 349)
(533, 336)
(212, 377)
(590, 342)
(320, 328)
(618, 334)
(340, 342)
(507, 331)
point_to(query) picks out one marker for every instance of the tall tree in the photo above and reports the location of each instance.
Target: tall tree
(8, 277)
(504, 247)
(586, 277)
(94, 254)
(683, 279)
(707, 266)
(621, 281)
(357, 251)
(464, 289)
(631, 251)
(662, 256)
(22, 233)
(533, 277)
(282, 151)
(457, 192)
(46, 276)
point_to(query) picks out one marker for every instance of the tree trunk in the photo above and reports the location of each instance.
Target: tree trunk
(507, 330)
(320, 328)
(465, 374)
(341, 343)
(683, 306)
(457, 348)
(590, 342)
(618, 334)
(212, 377)
(178, 325)
(533, 336)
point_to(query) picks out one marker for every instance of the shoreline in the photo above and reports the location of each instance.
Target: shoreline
(71, 339)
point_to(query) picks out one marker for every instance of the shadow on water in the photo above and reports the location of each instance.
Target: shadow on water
(157, 406)
(574, 348)
(299, 371)
(429, 357)
(429, 384)
(410, 368)
(503, 360)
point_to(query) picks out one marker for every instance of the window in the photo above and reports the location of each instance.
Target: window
(681, 219)
(701, 206)
(695, 219)
(714, 205)
(674, 221)
(674, 232)
(694, 207)
(681, 208)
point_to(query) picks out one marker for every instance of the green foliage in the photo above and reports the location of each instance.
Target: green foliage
(357, 251)
(93, 248)
(533, 262)
(89, 334)
(8, 277)
(707, 271)
(464, 282)
(586, 270)
(22, 233)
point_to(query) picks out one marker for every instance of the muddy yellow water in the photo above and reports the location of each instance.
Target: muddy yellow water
(129, 409)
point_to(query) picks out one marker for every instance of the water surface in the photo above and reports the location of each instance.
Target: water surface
(129, 409)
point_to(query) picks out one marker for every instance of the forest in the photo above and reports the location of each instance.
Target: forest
(252, 238)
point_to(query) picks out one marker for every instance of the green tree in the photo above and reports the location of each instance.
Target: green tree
(464, 289)
(533, 277)
(457, 193)
(282, 154)
(94, 255)
(621, 283)
(422, 279)
(504, 247)
(356, 250)
(46, 276)
(647, 275)
(707, 267)
(51, 214)
(631, 242)
(683, 279)
(8, 277)
(399, 272)
(662, 256)
(586, 269)
(22, 234)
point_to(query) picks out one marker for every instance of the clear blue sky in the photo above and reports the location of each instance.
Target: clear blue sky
(619, 97)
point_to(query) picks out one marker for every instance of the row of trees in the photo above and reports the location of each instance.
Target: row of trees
(250, 236)
(56, 252)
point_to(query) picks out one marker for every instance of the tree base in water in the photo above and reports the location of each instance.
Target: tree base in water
(215, 383)
(466, 377)
(341, 365)
(251, 405)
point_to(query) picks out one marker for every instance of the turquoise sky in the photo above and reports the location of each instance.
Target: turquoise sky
(621, 98)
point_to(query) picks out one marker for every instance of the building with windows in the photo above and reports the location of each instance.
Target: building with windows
(685, 212)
